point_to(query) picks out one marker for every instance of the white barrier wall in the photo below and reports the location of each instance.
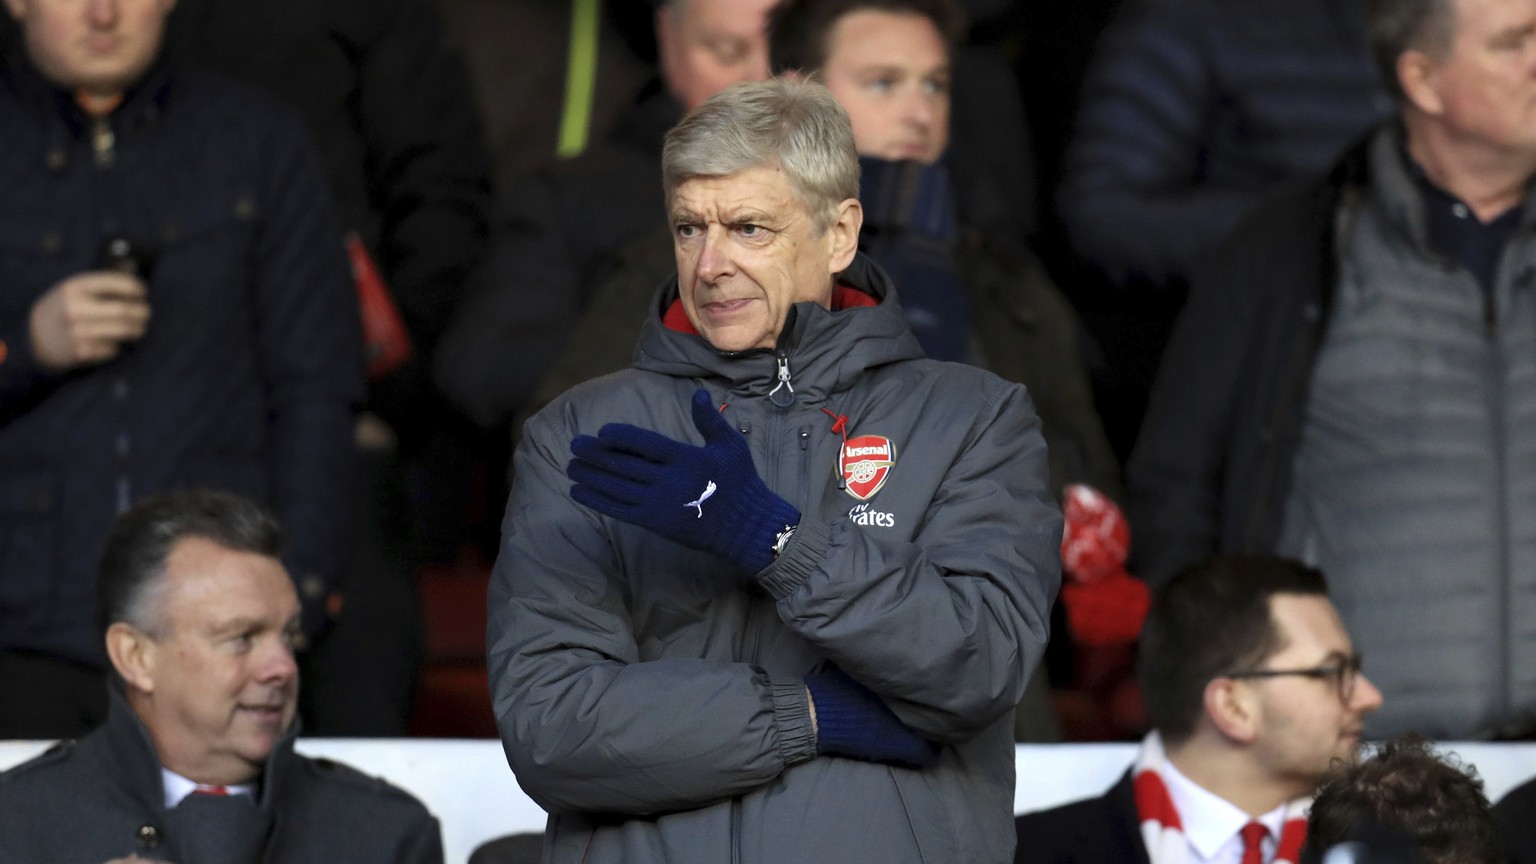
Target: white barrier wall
(468, 786)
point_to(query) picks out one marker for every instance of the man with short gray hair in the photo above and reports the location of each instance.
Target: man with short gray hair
(782, 601)
(1351, 382)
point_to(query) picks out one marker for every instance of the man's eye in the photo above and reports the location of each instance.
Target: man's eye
(937, 86)
(241, 642)
(751, 230)
(686, 230)
(881, 85)
(728, 51)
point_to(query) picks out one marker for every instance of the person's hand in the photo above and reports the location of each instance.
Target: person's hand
(852, 721)
(87, 318)
(707, 498)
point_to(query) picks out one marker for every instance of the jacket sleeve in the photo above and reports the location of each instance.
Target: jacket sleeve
(429, 174)
(1175, 475)
(587, 725)
(423, 844)
(1132, 197)
(311, 354)
(22, 379)
(946, 628)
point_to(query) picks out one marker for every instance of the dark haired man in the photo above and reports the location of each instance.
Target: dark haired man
(1253, 691)
(196, 761)
(1430, 806)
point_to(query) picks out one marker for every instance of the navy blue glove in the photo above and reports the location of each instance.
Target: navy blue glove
(707, 498)
(852, 721)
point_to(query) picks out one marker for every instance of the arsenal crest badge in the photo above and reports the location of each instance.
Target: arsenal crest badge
(866, 462)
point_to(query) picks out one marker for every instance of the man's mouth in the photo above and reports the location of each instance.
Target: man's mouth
(726, 307)
(272, 713)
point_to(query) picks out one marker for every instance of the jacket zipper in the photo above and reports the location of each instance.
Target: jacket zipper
(104, 152)
(1497, 413)
(783, 393)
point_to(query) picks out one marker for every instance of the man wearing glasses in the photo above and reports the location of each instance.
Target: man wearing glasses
(1253, 690)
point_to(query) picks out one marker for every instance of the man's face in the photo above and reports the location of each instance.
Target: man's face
(891, 73)
(747, 250)
(706, 46)
(98, 46)
(222, 683)
(1305, 723)
(1486, 82)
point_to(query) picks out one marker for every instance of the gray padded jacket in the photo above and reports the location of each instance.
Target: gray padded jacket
(651, 698)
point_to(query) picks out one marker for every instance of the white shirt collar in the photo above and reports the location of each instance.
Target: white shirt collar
(178, 787)
(1212, 824)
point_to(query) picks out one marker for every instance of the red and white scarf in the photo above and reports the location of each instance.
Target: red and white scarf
(1162, 832)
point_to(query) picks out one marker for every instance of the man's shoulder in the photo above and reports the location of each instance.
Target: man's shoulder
(67, 777)
(336, 786)
(1099, 830)
(234, 109)
(46, 767)
(628, 395)
(1084, 813)
(964, 384)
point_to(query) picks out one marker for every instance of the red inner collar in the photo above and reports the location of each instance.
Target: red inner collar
(844, 296)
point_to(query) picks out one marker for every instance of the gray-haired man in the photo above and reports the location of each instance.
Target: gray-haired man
(818, 659)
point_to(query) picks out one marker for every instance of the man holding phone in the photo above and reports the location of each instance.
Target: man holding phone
(245, 361)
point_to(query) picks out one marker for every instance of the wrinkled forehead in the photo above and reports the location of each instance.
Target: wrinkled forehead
(764, 187)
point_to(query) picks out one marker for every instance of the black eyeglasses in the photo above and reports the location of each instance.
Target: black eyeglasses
(1343, 672)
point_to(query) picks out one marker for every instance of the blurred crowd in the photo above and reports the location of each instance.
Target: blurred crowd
(1267, 270)
(1264, 268)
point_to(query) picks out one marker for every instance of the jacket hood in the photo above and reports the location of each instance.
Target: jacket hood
(826, 350)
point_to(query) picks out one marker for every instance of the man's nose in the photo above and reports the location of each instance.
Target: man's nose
(919, 109)
(102, 13)
(1366, 696)
(714, 261)
(277, 663)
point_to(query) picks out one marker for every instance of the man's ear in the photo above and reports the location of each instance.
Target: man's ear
(132, 653)
(1418, 75)
(843, 234)
(1233, 709)
(17, 8)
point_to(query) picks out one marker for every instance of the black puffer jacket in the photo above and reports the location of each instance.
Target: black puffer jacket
(251, 367)
(1194, 110)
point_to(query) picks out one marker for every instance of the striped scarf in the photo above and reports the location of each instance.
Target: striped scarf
(1162, 832)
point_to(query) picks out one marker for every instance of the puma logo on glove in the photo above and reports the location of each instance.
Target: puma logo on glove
(636, 475)
(708, 491)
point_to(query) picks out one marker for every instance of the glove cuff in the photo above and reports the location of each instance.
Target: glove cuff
(850, 718)
(761, 523)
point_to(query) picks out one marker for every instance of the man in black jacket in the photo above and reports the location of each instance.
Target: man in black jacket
(196, 762)
(175, 311)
